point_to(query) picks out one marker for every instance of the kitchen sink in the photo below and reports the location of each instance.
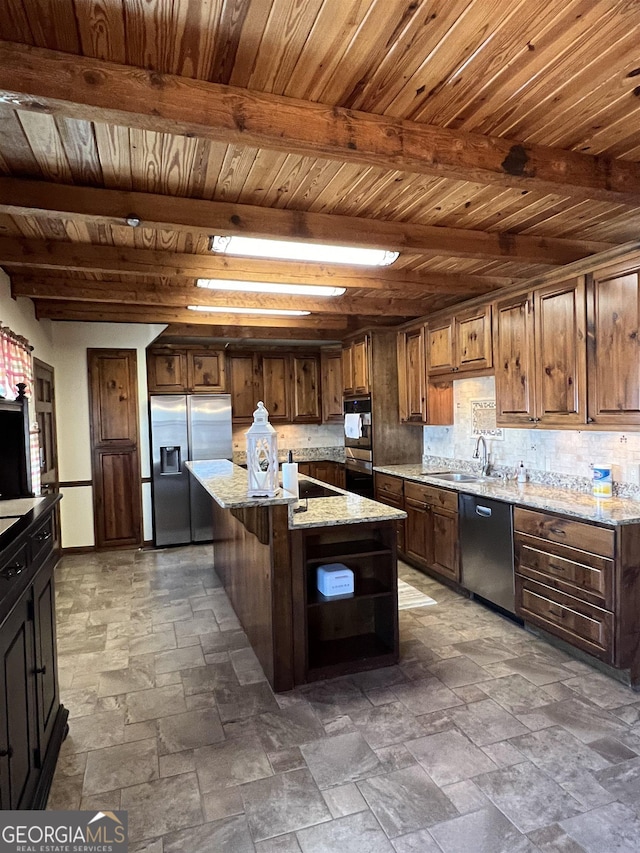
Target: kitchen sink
(455, 477)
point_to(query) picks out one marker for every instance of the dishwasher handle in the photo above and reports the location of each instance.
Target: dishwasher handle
(483, 511)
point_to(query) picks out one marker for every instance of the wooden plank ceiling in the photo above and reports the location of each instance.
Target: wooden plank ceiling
(488, 142)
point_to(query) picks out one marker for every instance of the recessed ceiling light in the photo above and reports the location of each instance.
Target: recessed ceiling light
(271, 312)
(289, 250)
(271, 287)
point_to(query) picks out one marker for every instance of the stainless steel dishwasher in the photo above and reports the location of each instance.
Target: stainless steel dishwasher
(486, 549)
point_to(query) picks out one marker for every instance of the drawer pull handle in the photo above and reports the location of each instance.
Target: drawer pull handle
(557, 568)
(558, 531)
(12, 571)
(41, 670)
(6, 753)
(42, 537)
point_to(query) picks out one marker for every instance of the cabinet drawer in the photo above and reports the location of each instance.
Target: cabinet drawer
(441, 498)
(390, 485)
(575, 534)
(41, 541)
(587, 576)
(14, 564)
(390, 499)
(581, 624)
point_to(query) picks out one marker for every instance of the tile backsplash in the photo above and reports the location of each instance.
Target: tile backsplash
(561, 457)
(308, 441)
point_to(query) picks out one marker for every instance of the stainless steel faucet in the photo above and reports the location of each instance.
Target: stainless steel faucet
(485, 455)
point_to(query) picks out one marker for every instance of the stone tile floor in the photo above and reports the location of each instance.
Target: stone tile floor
(483, 739)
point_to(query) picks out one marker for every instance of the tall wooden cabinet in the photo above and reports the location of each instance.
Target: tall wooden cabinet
(422, 400)
(356, 366)
(331, 367)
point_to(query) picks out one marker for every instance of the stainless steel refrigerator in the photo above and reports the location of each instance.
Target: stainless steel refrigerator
(185, 427)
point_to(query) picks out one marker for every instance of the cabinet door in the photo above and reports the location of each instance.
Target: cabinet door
(332, 387)
(473, 339)
(412, 377)
(166, 372)
(206, 371)
(444, 545)
(440, 353)
(276, 380)
(417, 538)
(19, 752)
(347, 370)
(614, 346)
(244, 386)
(305, 408)
(361, 366)
(47, 700)
(561, 353)
(514, 361)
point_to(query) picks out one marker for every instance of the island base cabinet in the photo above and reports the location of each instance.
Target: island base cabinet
(336, 636)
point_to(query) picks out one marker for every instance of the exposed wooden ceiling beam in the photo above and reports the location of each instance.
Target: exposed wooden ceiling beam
(109, 313)
(204, 218)
(110, 260)
(185, 331)
(119, 292)
(90, 89)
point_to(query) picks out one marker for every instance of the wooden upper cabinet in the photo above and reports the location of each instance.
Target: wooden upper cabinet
(361, 379)
(305, 403)
(514, 360)
(276, 383)
(613, 304)
(540, 356)
(412, 376)
(245, 388)
(331, 369)
(206, 371)
(166, 371)
(472, 338)
(561, 353)
(440, 349)
(113, 397)
(347, 369)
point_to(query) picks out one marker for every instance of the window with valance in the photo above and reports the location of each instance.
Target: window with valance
(16, 364)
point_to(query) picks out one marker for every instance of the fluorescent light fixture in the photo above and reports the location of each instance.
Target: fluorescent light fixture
(271, 312)
(288, 250)
(271, 287)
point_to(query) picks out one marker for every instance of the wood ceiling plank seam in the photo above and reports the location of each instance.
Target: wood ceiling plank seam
(345, 71)
(42, 135)
(620, 129)
(193, 37)
(149, 33)
(15, 146)
(101, 29)
(114, 153)
(79, 143)
(414, 46)
(235, 167)
(213, 154)
(232, 17)
(177, 162)
(269, 179)
(14, 22)
(542, 96)
(333, 27)
(487, 77)
(321, 172)
(54, 25)
(253, 30)
(287, 29)
(146, 160)
(459, 49)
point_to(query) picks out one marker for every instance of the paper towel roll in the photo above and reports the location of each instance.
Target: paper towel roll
(290, 477)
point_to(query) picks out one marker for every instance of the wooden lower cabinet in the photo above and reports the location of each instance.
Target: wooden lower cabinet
(32, 720)
(390, 490)
(328, 471)
(431, 529)
(565, 579)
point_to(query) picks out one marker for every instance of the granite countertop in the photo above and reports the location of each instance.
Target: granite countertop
(610, 511)
(227, 485)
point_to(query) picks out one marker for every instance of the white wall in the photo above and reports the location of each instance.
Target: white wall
(566, 452)
(64, 346)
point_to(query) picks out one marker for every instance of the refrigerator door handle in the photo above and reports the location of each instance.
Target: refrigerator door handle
(170, 460)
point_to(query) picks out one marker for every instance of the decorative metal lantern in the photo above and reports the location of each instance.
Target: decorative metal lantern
(262, 455)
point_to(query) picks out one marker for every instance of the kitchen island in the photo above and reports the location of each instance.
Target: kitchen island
(267, 554)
